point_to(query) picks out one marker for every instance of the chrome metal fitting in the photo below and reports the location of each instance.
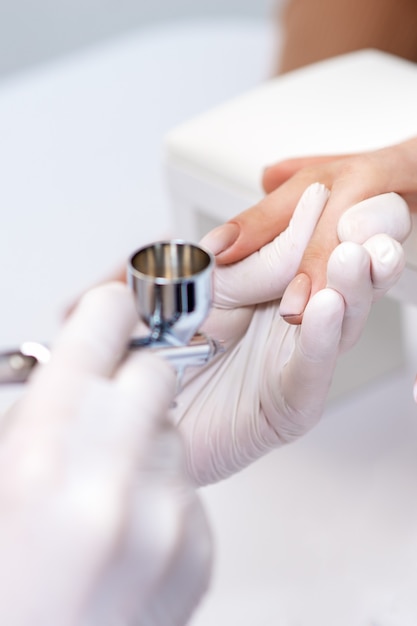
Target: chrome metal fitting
(172, 284)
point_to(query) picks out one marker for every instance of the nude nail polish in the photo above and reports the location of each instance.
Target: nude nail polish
(295, 297)
(221, 238)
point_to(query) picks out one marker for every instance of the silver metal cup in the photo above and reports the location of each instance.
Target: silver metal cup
(172, 283)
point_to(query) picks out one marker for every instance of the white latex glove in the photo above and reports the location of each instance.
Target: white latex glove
(98, 523)
(271, 384)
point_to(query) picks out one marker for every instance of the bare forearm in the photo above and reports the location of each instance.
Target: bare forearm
(317, 29)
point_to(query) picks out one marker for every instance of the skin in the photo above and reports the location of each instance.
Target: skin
(313, 30)
(350, 179)
(318, 29)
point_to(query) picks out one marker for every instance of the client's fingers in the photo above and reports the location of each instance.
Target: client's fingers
(311, 275)
(264, 275)
(260, 224)
(251, 230)
(357, 179)
(275, 175)
(386, 213)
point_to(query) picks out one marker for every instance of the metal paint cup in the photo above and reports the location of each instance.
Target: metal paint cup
(172, 283)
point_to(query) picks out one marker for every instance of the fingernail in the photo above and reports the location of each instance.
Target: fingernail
(296, 296)
(221, 238)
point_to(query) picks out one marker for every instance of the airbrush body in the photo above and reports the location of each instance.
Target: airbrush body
(172, 286)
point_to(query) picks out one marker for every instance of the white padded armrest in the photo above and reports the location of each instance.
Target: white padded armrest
(359, 101)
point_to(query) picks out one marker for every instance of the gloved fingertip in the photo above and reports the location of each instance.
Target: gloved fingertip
(316, 192)
(347, 256)
(349, 228)
(387, 250)
(387, 259)
(322, 325)
(384, 213)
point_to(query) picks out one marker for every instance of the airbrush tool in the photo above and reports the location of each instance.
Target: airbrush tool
(172, 285)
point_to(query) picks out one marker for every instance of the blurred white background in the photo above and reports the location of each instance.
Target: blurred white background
(321, 533)
(32, 31)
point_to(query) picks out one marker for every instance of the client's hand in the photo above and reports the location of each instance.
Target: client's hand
(352, 180)
(98, 524)
(271, 384)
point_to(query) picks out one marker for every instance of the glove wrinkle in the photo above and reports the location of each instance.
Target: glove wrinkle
(271, 384)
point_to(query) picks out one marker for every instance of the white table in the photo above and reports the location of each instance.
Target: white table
(323, 532)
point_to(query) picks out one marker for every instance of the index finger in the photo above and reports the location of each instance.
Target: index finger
(356, 177)
(275, 175)
(264, 221)
(357, 181)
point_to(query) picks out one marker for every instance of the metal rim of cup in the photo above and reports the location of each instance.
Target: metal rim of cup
(206, 264)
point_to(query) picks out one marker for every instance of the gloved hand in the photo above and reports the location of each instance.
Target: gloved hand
(351, 179)
(270, 385)
(98, 523)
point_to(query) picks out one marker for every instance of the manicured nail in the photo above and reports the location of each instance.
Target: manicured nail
(295, 296)
(221, 238)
